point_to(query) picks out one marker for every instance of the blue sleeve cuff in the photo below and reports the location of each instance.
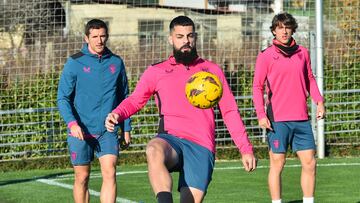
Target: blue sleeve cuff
(127, 125)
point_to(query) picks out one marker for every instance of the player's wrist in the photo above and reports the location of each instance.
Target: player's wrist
(71, 124)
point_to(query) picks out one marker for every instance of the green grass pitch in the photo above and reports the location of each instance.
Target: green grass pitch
(338, 180)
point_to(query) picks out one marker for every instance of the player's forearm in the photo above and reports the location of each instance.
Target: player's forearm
(258, 100)
(65, 110)
(314, 92)
(237, 132)
(127, 107)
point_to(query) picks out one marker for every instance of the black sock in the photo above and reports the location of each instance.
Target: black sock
(164, 197)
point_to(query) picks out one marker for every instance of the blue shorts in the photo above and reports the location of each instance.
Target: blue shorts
(297, 134)
(82, 151)
(196, 163)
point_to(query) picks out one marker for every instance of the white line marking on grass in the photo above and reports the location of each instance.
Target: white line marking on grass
(122, 200)
(131, 172)
(98, 175)
(92, 192)
(291, 166)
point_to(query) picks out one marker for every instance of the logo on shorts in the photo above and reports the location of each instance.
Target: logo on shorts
(73, 155)
(112, 68)
(276, 143)
(86, 69)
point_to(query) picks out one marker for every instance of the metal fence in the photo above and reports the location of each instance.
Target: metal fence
(37, 36)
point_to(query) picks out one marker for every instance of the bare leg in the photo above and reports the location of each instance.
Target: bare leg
(108, 172)
(81, 184)
(160, 157)
(191, 195)
(308, 172)
(277, 162)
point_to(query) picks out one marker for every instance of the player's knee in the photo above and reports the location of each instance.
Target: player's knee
(277, 163)
(309, 165)
(154, 152)
(108, 174)
(82, 178)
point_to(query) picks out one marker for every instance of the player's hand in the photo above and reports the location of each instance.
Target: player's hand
(264, 123)
(249, 162)
(110, 121)
(320, 111)
(127, 137)
(125, 140)
(77, 132)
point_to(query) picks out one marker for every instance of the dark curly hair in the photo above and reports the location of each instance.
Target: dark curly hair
(285, 18)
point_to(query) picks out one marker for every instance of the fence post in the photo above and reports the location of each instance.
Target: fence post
(320, 74)
(312, 36)
(67, 28)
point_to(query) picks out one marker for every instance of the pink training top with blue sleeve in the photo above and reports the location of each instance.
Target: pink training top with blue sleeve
(166, 80)
(289, 81)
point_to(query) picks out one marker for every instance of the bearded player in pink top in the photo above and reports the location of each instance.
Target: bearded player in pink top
(186, 139)
(286, 70)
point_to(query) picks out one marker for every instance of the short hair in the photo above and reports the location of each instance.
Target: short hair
(182, 21)
(285, 18)
(95, 24)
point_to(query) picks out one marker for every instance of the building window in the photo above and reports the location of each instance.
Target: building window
(150, 32)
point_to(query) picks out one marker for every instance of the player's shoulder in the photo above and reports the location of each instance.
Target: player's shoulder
(76, 60)
(267, 49)
(158, 64)
(302, 48)
(116, 57)
(210, 66)
(207, 62)
(203, 60)
(77, 55)
(267, 53)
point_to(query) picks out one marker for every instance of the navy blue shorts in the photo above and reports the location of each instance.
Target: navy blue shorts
(196, 163)
(297, 134)
(82, 151)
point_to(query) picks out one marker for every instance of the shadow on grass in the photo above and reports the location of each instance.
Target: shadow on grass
(295, 201)
(10, 182)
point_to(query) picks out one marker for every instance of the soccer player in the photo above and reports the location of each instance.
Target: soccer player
(186, 137)
(285, 69)
(93, 83)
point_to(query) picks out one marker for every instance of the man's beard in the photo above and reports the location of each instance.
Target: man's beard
(186, 57)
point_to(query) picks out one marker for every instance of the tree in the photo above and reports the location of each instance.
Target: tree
(33, 17)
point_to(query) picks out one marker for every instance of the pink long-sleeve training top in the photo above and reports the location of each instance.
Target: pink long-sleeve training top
(289, 81)
(166, 80)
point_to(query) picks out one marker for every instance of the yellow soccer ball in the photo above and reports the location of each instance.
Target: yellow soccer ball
(203, 90)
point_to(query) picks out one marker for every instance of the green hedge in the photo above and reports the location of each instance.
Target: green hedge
(48, 132)
(140, 158)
